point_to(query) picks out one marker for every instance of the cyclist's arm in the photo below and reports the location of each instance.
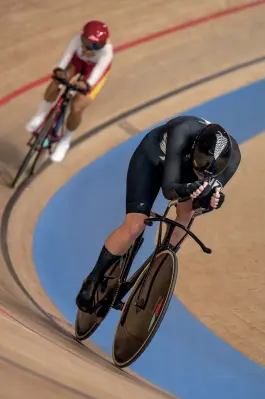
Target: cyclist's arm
(69, 52)
(176, 142)
(102, 66)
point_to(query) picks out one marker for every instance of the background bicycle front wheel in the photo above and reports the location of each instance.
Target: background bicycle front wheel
(33, 154)
(138, 326)
(29, 159)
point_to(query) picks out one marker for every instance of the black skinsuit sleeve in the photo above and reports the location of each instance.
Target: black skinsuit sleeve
(177, 137)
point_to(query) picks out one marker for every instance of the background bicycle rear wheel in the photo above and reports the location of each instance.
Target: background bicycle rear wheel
(33, 153)
(87, 323)
(138, 326)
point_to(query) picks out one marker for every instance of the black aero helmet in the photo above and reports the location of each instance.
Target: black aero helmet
(211, 150)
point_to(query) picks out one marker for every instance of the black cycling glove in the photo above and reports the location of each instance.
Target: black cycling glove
(185, 190)
(205, 202)
(193, 187)
(221, 201)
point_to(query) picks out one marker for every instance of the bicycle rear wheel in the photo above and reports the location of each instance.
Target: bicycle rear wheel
(137, 326)
(87, 323)
(33, 154)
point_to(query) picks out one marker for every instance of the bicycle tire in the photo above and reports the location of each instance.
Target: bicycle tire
(34, 164)
(87, 323)
(23, 166)
(33, 150)
(132, 336)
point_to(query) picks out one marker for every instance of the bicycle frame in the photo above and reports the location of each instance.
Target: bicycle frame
(59, 110)
(126, 285)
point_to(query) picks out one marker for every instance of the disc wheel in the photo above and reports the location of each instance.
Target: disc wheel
(137, 326)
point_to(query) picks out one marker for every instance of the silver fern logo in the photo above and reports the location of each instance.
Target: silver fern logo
(221, 143)
(163, 143)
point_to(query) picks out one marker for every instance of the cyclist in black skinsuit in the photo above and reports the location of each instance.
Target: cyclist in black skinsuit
(180, 157)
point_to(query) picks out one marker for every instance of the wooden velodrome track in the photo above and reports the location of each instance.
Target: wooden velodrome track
(38, 355)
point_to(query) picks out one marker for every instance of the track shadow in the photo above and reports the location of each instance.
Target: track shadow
(6, 176)
(10, 155)
(10, 159)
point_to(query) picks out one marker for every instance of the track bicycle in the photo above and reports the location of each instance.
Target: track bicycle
(150, 291)
(49, 133)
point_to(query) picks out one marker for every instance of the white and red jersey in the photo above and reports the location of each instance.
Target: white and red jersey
(101, 59)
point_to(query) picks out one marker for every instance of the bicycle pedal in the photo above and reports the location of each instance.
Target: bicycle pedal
(118, 305)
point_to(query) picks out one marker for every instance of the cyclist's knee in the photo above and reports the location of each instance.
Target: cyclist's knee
(79, 103)
(70, 70)
(52, 91)
(134, 225)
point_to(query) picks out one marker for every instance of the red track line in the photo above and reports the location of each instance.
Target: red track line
(189, 24)
(186, 25)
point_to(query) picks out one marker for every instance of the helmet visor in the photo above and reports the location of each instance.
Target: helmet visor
(88, 45)
(201, 162)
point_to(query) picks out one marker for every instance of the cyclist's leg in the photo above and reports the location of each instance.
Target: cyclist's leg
(50, 96)
(185, 212)
(143, 184)
(79, 104)
(142, 187)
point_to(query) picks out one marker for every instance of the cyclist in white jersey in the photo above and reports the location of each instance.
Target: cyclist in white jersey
(90, 54)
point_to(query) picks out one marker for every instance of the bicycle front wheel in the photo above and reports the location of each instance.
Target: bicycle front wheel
(137, 326)
(33, 154)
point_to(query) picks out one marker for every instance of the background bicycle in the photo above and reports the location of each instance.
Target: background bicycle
(49, 133)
